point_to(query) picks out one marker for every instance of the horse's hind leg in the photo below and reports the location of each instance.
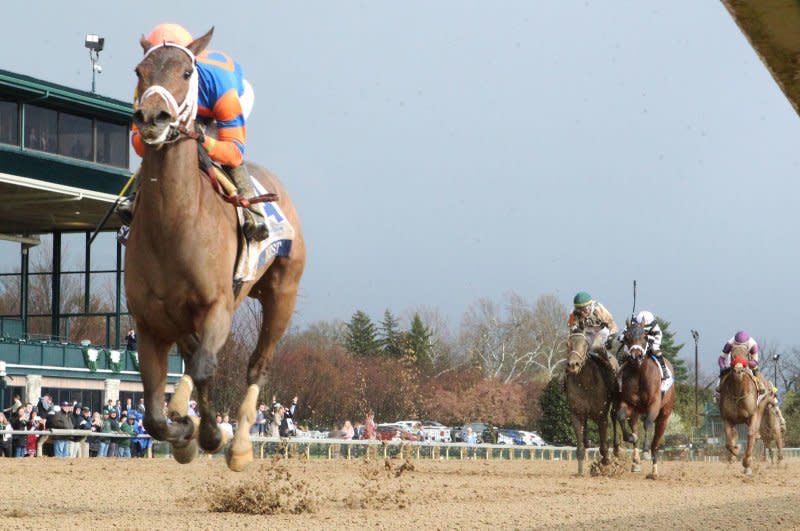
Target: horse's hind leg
(277, 292)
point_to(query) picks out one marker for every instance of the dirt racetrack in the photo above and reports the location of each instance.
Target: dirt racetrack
(161, 494)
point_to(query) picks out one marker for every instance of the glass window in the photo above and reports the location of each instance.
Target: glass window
(75, 136)
(9, 122)
(112, 144)
(40, 128)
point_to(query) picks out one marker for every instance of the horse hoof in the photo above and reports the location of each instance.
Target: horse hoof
(636, 468)
(185, 454)
(748, 471)
(652, 476)
(238, 458)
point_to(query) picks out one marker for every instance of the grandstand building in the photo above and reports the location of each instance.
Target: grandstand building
(64, 157)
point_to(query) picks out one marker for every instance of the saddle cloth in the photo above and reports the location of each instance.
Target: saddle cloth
(254, 255)
(666, 379)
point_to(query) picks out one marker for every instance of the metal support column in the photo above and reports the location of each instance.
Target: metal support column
(118, 305)
(56, 293)
(87, 276)
(23, 287)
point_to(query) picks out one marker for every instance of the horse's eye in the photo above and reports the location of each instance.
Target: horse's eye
(187, 73)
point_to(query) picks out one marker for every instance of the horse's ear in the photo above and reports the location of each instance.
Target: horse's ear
(146, 45)
(199, 44)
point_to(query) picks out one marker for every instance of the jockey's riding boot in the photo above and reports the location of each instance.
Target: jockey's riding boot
(664, 372)
(125, 206)
(125, 209)
(255, 227)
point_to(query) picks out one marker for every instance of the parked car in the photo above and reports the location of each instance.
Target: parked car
(502, 436)
(516, 436)
(436, 431)
(395, 432)
(532, 438)
(430, 430)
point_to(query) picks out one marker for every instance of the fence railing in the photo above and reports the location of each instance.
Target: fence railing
(308, 448)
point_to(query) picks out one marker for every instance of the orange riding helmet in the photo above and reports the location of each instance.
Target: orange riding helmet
(169, 32)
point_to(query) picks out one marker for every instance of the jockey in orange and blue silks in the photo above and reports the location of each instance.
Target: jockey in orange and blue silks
(223, 96)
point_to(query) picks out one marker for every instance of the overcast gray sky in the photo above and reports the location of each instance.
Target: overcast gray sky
(444, 151)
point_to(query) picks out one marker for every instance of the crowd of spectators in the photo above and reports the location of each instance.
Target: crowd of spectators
(115, 418)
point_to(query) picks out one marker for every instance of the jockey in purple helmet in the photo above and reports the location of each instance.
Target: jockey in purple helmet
(745, 346)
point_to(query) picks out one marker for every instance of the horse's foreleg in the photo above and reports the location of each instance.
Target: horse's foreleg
(153, 369)
(623, 416)
(658, 433)
(614, 423)
(277, 292)
(578, 424)
(730, 441)
(603, 428)
(752, 431)
(201, 366)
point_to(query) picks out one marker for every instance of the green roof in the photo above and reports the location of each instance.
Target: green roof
(64, 97)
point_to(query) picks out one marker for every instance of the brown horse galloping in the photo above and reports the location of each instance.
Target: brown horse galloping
(590, 392)
(179, 268)
(739, 404)
(641, 395)
(772, 433)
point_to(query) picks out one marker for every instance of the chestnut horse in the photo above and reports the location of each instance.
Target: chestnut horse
(590, 389)
(772, 433)
(179, 266)
(641, 395)
(739, 404)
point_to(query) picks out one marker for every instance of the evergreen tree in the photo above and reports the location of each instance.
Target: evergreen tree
(418, 342)
(391, 338)
(555, 426)
(670, 351)
(360, 337)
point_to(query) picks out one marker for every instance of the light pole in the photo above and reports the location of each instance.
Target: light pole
(95, 45)
(696, 337)
(775, 358)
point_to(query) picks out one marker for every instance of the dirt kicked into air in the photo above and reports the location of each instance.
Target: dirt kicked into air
(391, 494)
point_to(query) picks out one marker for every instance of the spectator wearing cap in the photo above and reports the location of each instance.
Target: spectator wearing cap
(62, 420)
(84, 424)
(108, 446)
(77, 419)
(124, 445)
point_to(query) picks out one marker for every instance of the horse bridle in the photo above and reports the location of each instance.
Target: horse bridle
(581, 356)
(185, 113)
